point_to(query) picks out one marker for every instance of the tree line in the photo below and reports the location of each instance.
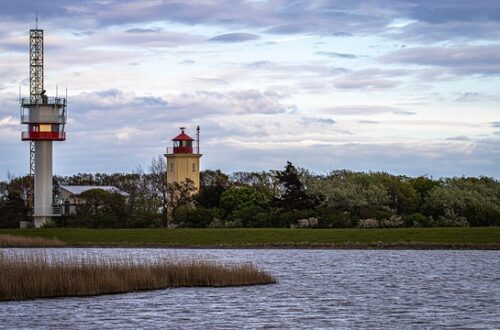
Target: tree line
(291, 197)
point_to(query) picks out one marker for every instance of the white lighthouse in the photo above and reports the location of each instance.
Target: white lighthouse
(45, 117)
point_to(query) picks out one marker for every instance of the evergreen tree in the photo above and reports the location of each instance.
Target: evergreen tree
(294, 195)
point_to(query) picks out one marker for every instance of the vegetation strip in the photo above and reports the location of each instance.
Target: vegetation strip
(30, 276)
(22, 241)
(410, 238)
(292, 197)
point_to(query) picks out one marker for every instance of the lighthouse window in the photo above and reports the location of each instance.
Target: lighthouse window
(194, 167)
(171, 167)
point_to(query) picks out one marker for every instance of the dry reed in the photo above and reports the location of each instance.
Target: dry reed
(24, 276)
(23, 241)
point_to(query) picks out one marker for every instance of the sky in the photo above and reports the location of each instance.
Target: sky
(407, 87)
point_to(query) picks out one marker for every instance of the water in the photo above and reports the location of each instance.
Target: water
(320, 289)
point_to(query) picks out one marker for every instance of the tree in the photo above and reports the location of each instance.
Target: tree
(475, 199)
(212, 186)
(294, 195)
(159, 185)
(355, 193)
(402, 196)
(101, 209)
(178, 195)
(13, 206)
(12, 210)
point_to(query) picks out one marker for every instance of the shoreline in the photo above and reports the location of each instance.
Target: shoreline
(290, 246)
(479, 238)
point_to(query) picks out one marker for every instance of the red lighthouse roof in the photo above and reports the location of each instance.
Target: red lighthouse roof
(183, 136)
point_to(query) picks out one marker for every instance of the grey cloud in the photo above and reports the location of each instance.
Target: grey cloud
(147, 37)
(462, 60)
(404, 113)
(316, 121)
(260, 64)
(140, 30)
(468, 97)
(232, 102)
(365, 110)
(83, 33)
(151, 101)
(435, 158)
(369, 79)
(342, 34)
(453, 11)
(284, 70)
(234, 37)
(338, 55)
(368, 122)
(443, 20)
(459, 138)
(495, 124)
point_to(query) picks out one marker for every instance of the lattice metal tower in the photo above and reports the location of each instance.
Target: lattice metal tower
(46, 118)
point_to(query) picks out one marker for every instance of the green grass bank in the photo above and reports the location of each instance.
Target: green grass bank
(411, 238)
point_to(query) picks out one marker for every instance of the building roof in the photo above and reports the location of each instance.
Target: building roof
(182, 137)
(75, 190)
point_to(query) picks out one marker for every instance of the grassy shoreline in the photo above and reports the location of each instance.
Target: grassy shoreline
(394, 238)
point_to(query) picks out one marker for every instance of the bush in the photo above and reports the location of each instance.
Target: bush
(393, 221)
(417, 220)
(198, 217)
(144, 220)
(451, 219)
(216, 223)
(331, 218)
(368, 223)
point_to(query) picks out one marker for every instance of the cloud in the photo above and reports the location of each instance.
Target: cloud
(234, 37)
(368, 122)
(338, 55)
(495, 124)
(468, 97)
(460, 60)
(365, 110)
(306, 121)
(8, 121)
(125, 133)
(459, 138)
(438, 158)
(141, 30)
(341, 34)
(429, 20)
(369, 79)
(187, 61)
(232, 102)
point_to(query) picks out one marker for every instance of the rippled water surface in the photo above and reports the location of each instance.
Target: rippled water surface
(317, 289)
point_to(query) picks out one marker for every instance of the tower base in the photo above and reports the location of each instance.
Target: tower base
(39, 222)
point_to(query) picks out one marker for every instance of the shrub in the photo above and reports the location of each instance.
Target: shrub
(368, 223)
(216, 223)
(392, 222)
(451, 219)
(417, 220)
(198, 217)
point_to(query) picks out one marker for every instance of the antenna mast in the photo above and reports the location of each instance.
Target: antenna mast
(36, 89)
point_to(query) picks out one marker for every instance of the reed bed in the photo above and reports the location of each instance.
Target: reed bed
(25, 276)
(23, 241)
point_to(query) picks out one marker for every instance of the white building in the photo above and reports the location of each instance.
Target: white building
(70, 196)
